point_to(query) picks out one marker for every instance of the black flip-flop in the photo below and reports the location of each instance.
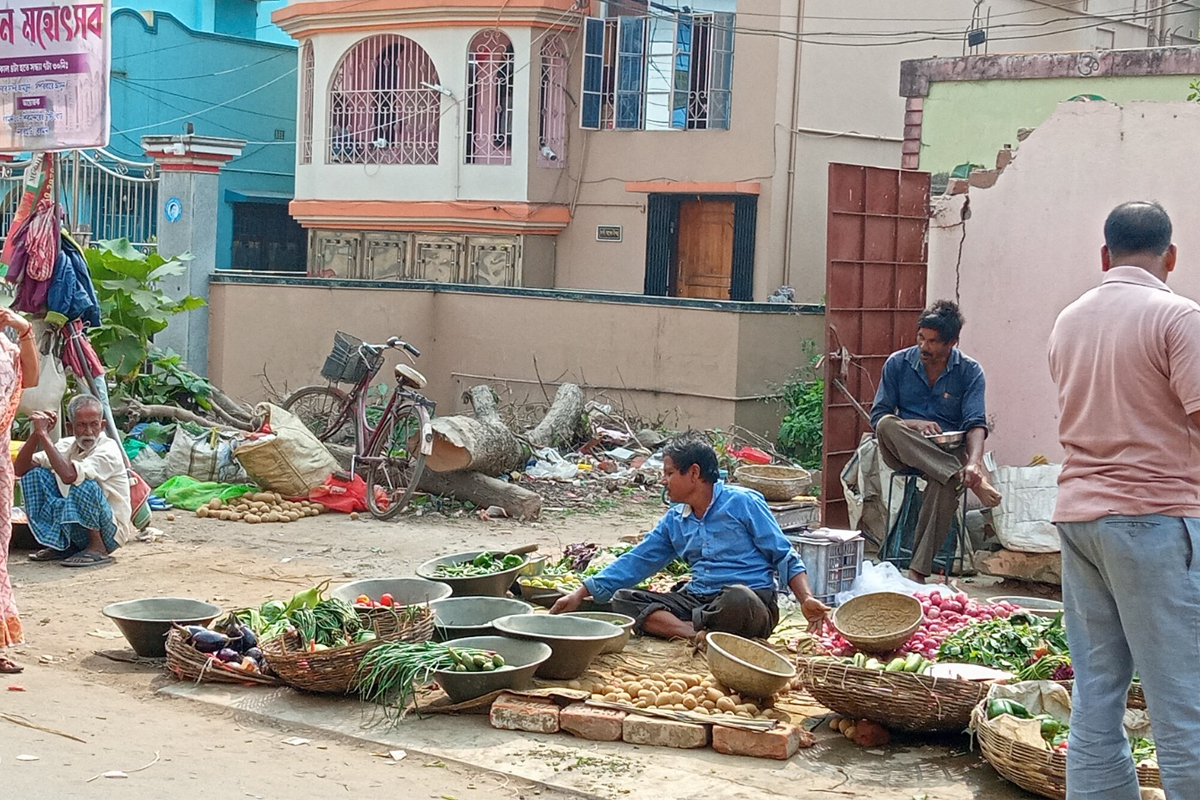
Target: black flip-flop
(9, 667)
(85, 559)
(50, 554)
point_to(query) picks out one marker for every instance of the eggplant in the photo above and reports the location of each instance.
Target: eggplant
(207, 641)
(249, 638)
(229, 655)
(254, 653)
(192, 630)
(233, 628)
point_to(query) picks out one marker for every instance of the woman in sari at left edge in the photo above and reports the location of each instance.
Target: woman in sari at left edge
(18, 371)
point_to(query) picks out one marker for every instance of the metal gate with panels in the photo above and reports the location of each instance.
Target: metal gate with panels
(876, 255)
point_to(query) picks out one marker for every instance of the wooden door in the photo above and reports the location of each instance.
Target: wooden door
(704, 260)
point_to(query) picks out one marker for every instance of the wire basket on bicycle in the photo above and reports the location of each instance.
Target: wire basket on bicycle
(347, 363)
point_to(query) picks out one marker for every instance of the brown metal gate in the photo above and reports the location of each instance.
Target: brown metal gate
(874, 292)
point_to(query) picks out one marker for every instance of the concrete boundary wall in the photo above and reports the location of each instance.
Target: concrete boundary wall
(684, 363)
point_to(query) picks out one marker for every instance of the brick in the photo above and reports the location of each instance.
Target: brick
(664, 732)
(520, 714)
(780, 743)
(596, 724)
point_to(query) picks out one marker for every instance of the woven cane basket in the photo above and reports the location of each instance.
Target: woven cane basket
(776, 483)
(1043, 772)
(187, 663)
(897, 700)
(334, 671)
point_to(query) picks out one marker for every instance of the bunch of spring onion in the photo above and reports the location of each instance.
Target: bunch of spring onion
(390, 673)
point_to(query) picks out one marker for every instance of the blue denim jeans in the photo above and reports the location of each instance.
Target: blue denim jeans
(1131, 591)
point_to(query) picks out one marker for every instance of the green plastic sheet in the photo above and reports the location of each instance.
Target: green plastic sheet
(190, 493)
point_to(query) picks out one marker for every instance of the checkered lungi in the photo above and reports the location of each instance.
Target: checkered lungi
(62, 523)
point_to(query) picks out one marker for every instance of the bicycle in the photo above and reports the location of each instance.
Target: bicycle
(393, 450)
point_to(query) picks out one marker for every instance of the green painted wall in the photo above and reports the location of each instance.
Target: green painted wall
(970, 121)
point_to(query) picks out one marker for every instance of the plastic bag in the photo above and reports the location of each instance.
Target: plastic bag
(885, 577)
(1022, 520)
(190, 493)
(150, 465)
(207, 456)
(342, 495)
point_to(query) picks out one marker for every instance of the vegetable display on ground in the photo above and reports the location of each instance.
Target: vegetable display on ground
(482, 564)
(390, 674)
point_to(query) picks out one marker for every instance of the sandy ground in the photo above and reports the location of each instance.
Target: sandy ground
(112, 706)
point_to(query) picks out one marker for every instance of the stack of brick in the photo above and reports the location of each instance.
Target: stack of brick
(608, 725)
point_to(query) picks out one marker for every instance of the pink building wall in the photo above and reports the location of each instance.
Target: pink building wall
(1032, 244)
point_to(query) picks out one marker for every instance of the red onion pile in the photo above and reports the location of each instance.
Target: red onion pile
(944, 614)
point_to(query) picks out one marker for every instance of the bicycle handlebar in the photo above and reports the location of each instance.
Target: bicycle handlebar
(394, 342)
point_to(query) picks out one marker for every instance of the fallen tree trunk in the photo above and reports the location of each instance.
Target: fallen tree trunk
(481, 443)
(561, 420)
(517, 501)
(140, 411)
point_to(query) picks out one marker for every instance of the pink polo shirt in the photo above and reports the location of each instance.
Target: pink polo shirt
(1126, 358)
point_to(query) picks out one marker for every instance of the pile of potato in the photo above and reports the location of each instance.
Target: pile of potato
(863, 732)
(684, 692)
(259, 507)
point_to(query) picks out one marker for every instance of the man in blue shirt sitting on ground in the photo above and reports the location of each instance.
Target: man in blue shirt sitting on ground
(733, 545)
(925, 390)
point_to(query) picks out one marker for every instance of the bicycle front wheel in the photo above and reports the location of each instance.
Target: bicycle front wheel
(324, 410)
(396, 462)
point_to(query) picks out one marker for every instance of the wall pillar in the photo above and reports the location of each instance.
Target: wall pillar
(189, 166)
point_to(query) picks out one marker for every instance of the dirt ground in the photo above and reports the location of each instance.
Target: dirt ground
(111, 705)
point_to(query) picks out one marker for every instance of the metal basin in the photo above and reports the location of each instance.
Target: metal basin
(456, 617)
(404, 591)
(620, 620)
(747, 667)
(146, 622)
(492, 585)
(522, 658)
(574, 641)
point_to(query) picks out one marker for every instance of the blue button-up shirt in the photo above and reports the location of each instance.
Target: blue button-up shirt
(736, 541)
(955, 401)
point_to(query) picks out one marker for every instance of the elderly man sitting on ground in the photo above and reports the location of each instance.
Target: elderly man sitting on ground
(76, 492)
(735, 549)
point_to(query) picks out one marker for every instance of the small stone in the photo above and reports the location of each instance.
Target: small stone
(170, 517)
(512, 713)
(664, 733)
(1031, 567)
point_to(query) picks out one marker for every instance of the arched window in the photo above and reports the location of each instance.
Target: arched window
(382, 107)
(489, 99)
(306, 103)
(552, 105)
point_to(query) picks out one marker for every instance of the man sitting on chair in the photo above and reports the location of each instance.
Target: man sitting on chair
(76, 492)
(925, 390)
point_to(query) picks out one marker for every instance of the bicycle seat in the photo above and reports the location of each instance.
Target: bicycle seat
(410, 377)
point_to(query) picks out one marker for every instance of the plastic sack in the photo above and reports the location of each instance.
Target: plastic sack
(150, 465)
(207, 456)
(52, 377)
(885, 577)
(1022, 520)
(189, 493)
(342, 495)
(288, 459)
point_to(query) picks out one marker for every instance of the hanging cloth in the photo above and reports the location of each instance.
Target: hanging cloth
(41, 240)
(34, 188)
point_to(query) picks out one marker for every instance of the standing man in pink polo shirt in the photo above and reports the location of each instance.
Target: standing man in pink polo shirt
(1126, 358)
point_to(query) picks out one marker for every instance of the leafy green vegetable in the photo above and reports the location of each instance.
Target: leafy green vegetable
(1011, 644)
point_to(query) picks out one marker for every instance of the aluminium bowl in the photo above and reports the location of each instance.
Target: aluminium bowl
(147, 621)
(521, 660)
(494, 584)
(574, 641)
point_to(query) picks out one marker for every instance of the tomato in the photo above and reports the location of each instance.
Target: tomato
(362, 600)
(386, 599)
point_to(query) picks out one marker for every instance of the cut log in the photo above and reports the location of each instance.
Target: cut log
(138, 411)
(561, 420)
(481, 443)
(517, 501)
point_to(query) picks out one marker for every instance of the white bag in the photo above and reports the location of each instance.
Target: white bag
(207, 456)
(52, 377)
(1022, 520)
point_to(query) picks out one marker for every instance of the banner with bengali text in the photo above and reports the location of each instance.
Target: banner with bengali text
(54, 72)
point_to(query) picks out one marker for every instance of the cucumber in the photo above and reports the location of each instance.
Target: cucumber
(860, 660)
(895, 665)
(913, 662)
(873, 663)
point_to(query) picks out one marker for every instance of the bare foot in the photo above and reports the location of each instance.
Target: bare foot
(916, 576)
(987, 494)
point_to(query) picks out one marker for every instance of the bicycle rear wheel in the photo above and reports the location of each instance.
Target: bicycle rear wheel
(396, 462)
(324, 410)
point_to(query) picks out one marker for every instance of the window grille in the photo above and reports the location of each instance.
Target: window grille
(489, 99)
(552, 105)
(384, 107)
(306, 103)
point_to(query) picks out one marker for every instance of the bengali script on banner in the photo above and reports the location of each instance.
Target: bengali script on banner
(54, 70)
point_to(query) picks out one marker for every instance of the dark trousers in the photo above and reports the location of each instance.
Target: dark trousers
(736, 609)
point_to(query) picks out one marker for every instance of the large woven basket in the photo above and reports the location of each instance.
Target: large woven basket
(897, 700)
(1043, 772)
(187, 663)
(334, 671)
(878, 622)
(775, 482)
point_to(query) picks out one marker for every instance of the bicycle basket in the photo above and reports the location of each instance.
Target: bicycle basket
(346, 364)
